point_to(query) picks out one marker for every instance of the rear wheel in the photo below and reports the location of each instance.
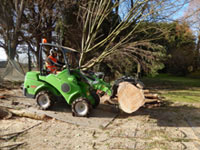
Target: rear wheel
(44, 100)
(80, 107)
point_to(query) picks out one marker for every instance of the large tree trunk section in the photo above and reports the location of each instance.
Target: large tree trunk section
(130, 97)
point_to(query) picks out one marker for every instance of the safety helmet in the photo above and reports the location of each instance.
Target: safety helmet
(52, 51)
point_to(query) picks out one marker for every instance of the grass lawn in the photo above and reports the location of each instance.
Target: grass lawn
(174, 88)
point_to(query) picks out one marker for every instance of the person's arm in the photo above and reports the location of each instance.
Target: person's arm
(61, 63)
(54, 63)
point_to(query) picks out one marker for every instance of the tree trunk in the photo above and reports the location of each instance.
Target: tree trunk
(38, 52)
(13, 32)
(13, 47)
(117, 8)
(198, 43)
(131, 3)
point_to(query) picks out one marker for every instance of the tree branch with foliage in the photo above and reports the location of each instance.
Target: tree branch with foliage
(120, 38)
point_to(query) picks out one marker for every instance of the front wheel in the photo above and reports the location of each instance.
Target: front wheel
(44, 100)
(80, 107)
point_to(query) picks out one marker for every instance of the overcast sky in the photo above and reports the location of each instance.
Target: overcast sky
(2, 54)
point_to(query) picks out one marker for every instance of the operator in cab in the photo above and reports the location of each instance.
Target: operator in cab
(52, 63)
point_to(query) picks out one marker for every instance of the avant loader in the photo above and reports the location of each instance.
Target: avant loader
(78, 88)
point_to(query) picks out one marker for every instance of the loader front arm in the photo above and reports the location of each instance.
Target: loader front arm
(94, 81)
(102, 86)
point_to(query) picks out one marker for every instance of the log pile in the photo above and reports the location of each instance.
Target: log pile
(152, 99)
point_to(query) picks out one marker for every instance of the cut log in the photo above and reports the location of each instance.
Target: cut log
(146, 91)
(28, 114)
(130, 97)
(150, 103)
(152, 100)
(151, 96)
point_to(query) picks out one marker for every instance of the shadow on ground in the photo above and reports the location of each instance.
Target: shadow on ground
(102, 111)
(171, 115)
(168, 115)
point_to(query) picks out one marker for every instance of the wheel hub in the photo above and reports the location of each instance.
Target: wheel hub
(42, 100)
(81, 108)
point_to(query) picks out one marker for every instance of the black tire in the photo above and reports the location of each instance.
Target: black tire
(97, 99)
(44, 100)
(81, 107)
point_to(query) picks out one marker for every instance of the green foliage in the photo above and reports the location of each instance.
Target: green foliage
(178, 42)
(180, 46)
(68, 26)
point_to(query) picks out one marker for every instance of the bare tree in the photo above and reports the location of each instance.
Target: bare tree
(11, 19)
(192, 17)
(26, 22)
(40, 20)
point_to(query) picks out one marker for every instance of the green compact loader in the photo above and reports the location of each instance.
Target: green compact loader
(78, 88)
